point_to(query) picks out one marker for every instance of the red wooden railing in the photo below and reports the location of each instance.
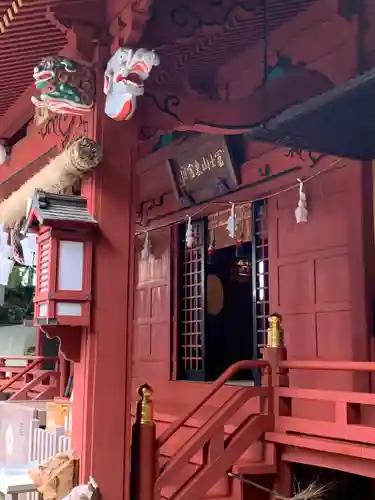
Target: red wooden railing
(216, 386)
(221, 450)
(29, 380)
(345, 422)
(277, 420)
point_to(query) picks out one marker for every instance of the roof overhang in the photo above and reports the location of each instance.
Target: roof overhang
(339, 122)
(30, 31)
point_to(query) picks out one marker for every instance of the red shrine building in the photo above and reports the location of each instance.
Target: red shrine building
(199, 179)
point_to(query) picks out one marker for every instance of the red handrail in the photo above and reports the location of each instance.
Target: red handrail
(26, 370)
(357, 366)
(227, 375)
(27, 358)
(30, 385)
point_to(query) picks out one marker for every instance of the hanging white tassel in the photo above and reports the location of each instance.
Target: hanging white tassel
(301, 211)
(232, 223)
(29, 248)
(189, 237)
(6, 266)
(146, 252)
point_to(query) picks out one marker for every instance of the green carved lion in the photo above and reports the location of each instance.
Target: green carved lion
(65, 86)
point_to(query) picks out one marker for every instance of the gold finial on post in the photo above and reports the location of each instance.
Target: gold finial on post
(275, 332)
(145, 405)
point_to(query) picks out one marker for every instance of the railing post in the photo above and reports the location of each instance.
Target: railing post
(2, 368)
(144, 456)
(274, 350)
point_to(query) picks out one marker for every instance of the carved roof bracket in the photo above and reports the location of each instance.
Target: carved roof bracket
(127, 28)
(83, 37)
(69, 337)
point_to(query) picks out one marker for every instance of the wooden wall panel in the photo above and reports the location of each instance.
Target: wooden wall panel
(317, 276)
(152, 356)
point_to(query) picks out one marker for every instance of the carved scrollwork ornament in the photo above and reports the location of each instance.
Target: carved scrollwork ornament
(300, 153)
(142, 214)
(170, 103)
(66, 127)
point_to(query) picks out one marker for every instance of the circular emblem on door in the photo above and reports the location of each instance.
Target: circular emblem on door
(215, 295)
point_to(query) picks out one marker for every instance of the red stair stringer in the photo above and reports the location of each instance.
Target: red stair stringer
(198, 485)
(33, 385)
(207, 431)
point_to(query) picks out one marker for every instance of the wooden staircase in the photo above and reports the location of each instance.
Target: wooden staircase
(210, 455)
(211, 476)
(195, 456)
(259, 458)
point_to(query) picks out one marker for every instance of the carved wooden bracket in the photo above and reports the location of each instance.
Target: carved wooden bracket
(82, 38)
(127, 27)
(70, 340)
(142, 214)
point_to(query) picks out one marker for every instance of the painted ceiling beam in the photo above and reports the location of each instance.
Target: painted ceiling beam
(22, 109)
(9, 15)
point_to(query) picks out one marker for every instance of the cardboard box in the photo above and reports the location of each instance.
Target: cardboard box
(57, 412)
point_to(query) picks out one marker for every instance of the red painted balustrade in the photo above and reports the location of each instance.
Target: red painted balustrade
(199, 467)
(30, 381)
(342, 423)
(339, 433)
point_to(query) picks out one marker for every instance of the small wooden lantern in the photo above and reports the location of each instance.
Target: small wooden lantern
(64, 260)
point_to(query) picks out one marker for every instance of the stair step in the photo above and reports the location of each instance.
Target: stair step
(219, 490)
(204, 478)
(253, 454)
(196, 422)
(323, 444)
(175, 442)
(268, 465)
(246, 468)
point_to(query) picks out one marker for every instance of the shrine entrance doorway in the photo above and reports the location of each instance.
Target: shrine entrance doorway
(229, 318)
(223, 294)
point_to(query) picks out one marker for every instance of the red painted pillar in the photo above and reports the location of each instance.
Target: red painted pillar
(102, 379)
(283, 481)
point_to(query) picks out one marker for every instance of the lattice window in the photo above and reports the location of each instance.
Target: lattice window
(44, 263)
(261, 274)
(192, 301)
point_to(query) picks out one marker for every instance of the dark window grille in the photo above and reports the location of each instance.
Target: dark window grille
(260, 265)
(191, 337)
(191, 333)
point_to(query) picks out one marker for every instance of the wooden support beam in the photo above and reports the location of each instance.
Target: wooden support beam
(101, 431)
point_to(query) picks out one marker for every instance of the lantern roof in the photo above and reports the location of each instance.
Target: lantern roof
(58, 210)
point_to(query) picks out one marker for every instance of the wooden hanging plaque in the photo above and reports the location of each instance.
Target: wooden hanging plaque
(202, 169)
